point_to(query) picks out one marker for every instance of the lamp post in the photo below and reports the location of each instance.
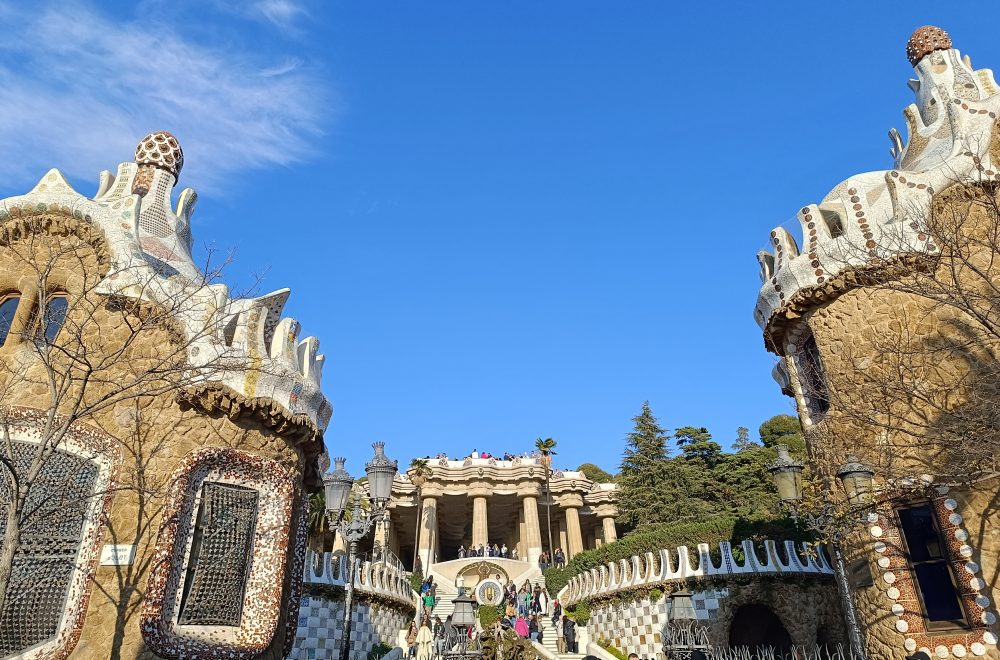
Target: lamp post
(339, 485)
(463, 619)
(858, 481)
(684, 634)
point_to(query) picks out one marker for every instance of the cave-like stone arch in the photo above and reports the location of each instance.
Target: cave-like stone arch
(755, 624)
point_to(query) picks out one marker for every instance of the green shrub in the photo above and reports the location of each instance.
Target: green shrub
(488, 615)
(611, 648)
(378, 651)
(416, 579)
(580, 613)
(655, 595)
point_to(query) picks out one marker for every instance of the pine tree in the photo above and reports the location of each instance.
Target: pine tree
(651, 487)
(743, 441)
(697, 443)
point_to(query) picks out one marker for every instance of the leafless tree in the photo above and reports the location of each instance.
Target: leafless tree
(94, 343)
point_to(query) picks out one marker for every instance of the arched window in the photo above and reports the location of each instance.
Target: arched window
(53, 317)
(812, 380)
(8, 308)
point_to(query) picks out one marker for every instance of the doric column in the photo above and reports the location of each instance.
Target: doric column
(606, 514)
(562, 542)
(610, 533)
(480, 529)
(574, 536)
(428, 532)
(532, 529)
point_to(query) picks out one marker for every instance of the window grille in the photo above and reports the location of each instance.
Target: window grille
(812, 380)
(51, 531)
(220, 556)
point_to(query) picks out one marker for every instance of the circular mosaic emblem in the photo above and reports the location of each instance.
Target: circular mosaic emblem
(489, 592)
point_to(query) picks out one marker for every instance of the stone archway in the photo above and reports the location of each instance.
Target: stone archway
(755, 624)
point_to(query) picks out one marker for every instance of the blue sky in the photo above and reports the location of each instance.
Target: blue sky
(503, 220)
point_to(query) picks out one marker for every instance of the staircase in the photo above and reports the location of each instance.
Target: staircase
(446, 593)
(550, 643)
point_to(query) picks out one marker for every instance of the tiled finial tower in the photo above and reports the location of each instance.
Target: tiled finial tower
(223, 411)
(150, 241)
(875, 348)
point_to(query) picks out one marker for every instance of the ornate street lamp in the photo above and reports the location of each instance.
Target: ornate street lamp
(684, 635)
(787, 475)
(463, 619)
(858, 479)
(831, 524)
(339, 485)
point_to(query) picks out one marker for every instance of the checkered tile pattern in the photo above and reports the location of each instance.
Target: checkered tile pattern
(638, 626)
(321, 620)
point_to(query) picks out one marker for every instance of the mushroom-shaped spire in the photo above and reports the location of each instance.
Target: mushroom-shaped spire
(159, 150)
(926, 40)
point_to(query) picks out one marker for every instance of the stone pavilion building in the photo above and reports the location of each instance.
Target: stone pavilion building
(473, 502)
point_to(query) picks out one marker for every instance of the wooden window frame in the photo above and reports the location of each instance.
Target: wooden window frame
(946, 559)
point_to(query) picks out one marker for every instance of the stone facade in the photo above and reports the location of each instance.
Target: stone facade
(201, 415)
(881, 364)
(794, 582)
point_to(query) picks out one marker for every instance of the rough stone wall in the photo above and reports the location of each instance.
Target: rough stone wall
(808, 610)
(153, 433)
(897, 365)
(321, 623)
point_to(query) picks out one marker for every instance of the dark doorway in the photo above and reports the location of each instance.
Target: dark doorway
(757, 625)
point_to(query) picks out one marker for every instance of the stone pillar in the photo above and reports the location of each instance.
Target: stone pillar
(610, 533)
(532, 529)
(522, 549)
(480, 528)
(428, 533)
(562, 542)
(574, 537)
(382, 535)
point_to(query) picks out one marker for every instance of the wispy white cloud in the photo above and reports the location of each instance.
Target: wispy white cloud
(286, 15)
(80, 90)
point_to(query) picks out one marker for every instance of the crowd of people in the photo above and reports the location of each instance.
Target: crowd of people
(521, 610)
(475, 453)
(500, 551)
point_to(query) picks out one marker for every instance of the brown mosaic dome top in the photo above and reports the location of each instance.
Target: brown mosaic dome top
(925, 40)
(162, 150)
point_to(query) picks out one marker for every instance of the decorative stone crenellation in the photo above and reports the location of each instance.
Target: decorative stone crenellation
(874, 219)
(241, 343)
(651, 570)
(384, 602)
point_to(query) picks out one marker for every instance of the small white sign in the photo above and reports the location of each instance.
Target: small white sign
(117, 555)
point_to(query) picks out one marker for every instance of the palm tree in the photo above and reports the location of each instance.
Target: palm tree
(419, 472)
(547, 449)
(318, 522)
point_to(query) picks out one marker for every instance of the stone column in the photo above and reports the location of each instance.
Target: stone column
(428, 533)
(574, 537)
(382, 535)
(562, 542)
(532, 529)
(522, 549)
(610, 533)
(480, 528)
